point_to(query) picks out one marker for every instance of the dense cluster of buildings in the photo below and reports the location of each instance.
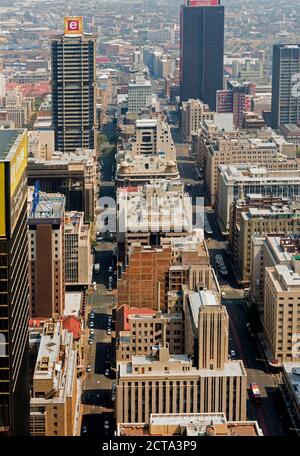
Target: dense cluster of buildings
(239, 114)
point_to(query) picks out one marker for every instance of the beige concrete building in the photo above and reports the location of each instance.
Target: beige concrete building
(153, 136)
(268, 250)
(147, 214)
(277, 219)
(78, 258)
(140, 169)
(55, 396)
(282, 311)
(230, 151)
(41, 144)
(236, 181)
(164, 383)
(138, 330)
(195, 113)
(191, 425)
(206, 330)
(46, 256)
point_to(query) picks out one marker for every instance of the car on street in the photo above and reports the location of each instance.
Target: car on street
(109, 318)
(255, 393)
(106, 372)
(92, 315)
(88, 369)
(96, 268)
(232, 354)
(92, 331)
(223, 271)
(220, 261)
(90, 341)
(110, 279)
(92, 324)
(94, 286)
(109, 287)
(111, 236)
(84, 429)
(108, 331)
(110, 269)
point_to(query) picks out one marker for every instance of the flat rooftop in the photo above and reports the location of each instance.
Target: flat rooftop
(175, 365)
(49, 207)
(72, 303)
(7, 140)
(282, 255)
(192, 424)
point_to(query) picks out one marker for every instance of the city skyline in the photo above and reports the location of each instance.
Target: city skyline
(149, 219)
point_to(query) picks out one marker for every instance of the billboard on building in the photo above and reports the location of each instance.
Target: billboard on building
(2, 200)
(73, 25)
(13, 186)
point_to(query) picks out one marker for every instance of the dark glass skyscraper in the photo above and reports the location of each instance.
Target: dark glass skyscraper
(73, 88)
(201, 50)
(286, 85)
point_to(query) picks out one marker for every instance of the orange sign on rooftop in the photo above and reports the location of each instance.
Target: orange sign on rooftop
(73, 25)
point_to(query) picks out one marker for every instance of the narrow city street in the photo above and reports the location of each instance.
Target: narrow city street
(98, 414)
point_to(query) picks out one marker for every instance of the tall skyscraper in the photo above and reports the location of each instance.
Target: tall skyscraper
(201, 50)
(14, 306)
(73, 87)
(285, 84)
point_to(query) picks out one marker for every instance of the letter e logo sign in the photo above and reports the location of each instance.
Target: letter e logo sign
(73, 25)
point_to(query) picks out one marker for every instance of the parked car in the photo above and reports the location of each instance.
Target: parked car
(92, 331)
(92, 324)
(110, 269)
(109, 318)
(108, 331)
(109, 287)
(232, 354)
(88, 369)
(90, 341)
(106, 372)
(223, 271)
(219, 260)
(84, 429)
(94, 286)
(110, 279)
